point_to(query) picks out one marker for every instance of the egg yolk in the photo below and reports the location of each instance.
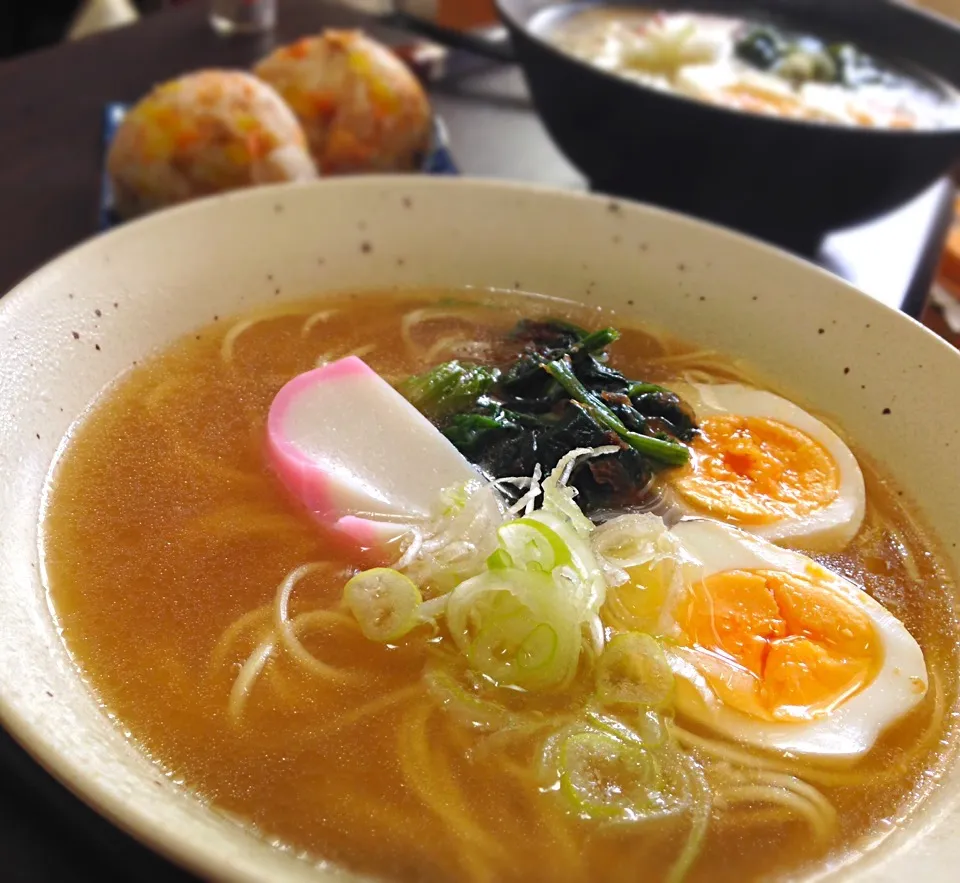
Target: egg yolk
(754, 470)
(777, 645)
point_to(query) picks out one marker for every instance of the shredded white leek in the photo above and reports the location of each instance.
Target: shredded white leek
(528, 501)
(559, 498)
(455, 543)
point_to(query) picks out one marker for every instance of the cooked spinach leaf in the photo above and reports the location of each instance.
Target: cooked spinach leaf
(808, 59)
(555, 393)
(448, 388)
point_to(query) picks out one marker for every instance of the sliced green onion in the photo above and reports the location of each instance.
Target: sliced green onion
(457, 699)
(634, 540)
(545, 542)
(633, 669)
(591, 588)
(384, 602)
(517, 628)
(671, 453)
(603, 777)
(528, 543)
(648, 729)
(538, 647)
(700, 800)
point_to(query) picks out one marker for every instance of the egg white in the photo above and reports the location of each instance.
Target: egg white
(850, 730)
(827, 529)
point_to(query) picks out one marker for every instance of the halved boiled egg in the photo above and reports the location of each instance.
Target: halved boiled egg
(772, 649)
(764, 464)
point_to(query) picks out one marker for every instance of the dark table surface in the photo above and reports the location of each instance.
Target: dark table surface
(50, 153)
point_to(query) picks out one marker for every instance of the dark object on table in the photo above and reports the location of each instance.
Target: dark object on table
(427, 60)
(28, 26)
(488, 46)
(786, 181)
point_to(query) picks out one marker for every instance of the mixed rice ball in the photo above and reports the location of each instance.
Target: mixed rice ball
(204, 133)
(336, 103)
(361, 107)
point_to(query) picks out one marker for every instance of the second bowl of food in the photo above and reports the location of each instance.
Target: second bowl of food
(412, 529)
(785, 121)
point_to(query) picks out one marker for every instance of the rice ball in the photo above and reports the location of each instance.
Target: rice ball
(204, 133)
(363, 110)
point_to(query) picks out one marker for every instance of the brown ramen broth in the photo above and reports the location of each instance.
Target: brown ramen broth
(165, 538)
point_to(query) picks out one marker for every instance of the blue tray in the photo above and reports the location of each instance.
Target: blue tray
(439, 160)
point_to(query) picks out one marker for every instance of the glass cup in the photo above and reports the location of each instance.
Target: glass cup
(243, 16)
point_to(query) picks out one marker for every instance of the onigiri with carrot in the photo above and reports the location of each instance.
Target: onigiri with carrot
(205, 133)
(362, 108)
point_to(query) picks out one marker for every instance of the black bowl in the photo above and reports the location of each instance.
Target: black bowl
(786, 181)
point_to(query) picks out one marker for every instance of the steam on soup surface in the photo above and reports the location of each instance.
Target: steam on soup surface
(753, 66)
(506, 690)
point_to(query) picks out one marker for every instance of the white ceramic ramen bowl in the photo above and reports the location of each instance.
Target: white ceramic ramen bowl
(75, 325)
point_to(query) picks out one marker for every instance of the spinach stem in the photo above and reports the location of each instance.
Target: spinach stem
(638, 388)
(596, 340)
(672, 453)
